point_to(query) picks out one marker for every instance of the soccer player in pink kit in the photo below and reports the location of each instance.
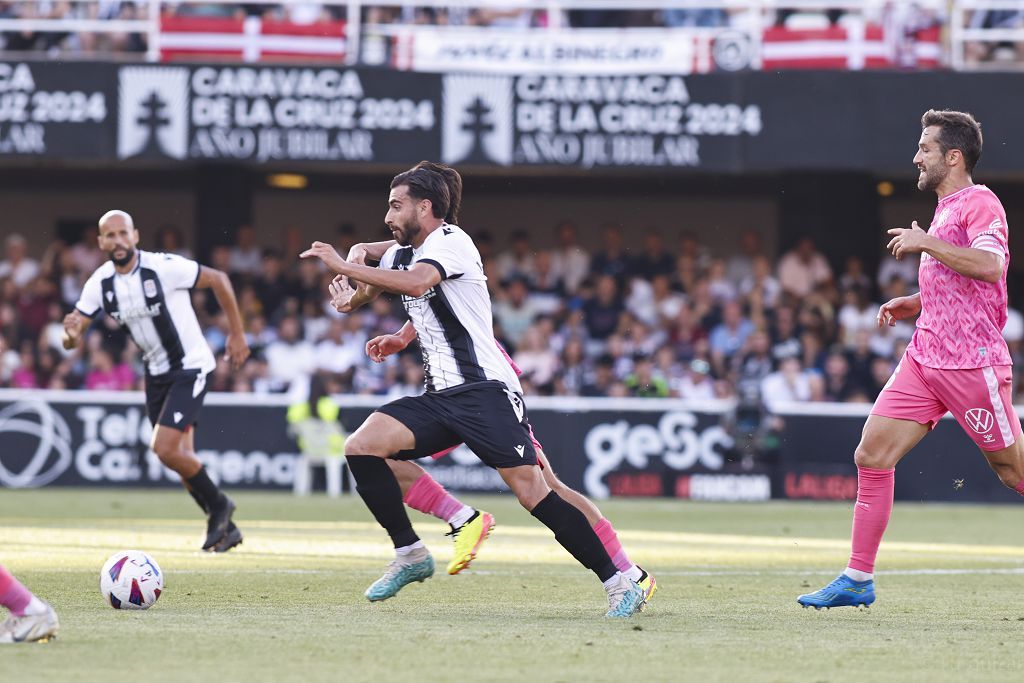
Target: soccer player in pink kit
(957, 360)
(31, 619)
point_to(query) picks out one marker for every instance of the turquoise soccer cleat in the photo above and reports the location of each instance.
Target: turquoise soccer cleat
(400, 574)
(843, 592)
(625, 599)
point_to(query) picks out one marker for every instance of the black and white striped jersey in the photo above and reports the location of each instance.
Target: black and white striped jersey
(453, 319)
(153, 303)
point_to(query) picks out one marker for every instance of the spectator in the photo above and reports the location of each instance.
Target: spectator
(290, 357)
(271, 286)
(612, 259)
(654, 260)
(787, 384)
(245, 257)
(838, 384)
(571, 261)
(515, 312)
(518, 261)
(729, 336)
(603, 379)
(643, 383)
(602, 312)
(803, 268)
(537, 360)
(761, 285)
(740, 266)
(169, 241)
(854, 276)
(17, 265)
(696, 384)
(104, 375)
(856, 314)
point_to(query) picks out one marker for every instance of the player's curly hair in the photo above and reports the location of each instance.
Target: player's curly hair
(957, 130)
(426, 183)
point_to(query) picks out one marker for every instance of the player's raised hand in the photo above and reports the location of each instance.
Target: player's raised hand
(912, 240)
(325, 253)
(357, 254)
(341, 294)
(383, 346)
(236, 351)
(897, 309)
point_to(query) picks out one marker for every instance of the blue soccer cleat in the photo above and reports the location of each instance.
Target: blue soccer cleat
(843, 592)
(401, 573)
(625, 598)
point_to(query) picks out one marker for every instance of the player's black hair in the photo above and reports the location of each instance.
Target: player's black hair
(424, 183)
(957, 130)
(454, 182)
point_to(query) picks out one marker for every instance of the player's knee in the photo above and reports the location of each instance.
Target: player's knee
(363, 444)
(867, 457)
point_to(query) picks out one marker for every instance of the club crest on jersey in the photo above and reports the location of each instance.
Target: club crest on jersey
(979, 419)
(149, 288)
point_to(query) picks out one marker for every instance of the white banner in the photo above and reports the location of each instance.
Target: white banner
(579, 51)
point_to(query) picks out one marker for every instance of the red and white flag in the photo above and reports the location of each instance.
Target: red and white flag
(251, 39)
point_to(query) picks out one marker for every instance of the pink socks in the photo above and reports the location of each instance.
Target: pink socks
(429, 497)
(13, 595)
(871, 515)
(610, 541)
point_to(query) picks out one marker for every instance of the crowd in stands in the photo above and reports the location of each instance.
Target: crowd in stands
(662, 318)
(911, 15)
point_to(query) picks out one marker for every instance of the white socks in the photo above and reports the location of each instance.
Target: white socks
(407, 549)
(462, 516)
(35, 606)
(612, 582)
(858, 575)
(634, 573)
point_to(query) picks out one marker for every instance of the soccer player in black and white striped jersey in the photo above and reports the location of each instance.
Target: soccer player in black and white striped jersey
(147, 294)
(473, 395)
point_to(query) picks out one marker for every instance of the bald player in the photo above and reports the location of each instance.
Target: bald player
(147, 294)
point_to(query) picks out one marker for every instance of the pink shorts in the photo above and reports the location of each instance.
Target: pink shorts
(980, 400)
(536, 446)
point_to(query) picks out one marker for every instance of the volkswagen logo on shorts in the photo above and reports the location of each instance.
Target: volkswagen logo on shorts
(979, 419)
(36, 445)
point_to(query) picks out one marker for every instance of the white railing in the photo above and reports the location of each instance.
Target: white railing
(749, 17)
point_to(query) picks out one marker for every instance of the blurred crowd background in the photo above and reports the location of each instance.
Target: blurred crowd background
(646, 313)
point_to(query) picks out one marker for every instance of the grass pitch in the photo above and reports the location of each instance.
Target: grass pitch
(288, 606)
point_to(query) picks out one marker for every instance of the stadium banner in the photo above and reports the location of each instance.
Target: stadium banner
(816, 460)
(315, 114)
(604, 447)
(576, 51)
(56, 110)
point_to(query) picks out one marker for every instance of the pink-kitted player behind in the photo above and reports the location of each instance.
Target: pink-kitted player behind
(30, 618)
(957, 361)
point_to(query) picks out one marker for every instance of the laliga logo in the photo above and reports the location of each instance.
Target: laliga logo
(979, 419)
(35, 419)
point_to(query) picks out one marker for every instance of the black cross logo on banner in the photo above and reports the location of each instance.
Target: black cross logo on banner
(477, 125)
(152, 119)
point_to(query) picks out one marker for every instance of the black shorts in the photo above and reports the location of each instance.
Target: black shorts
(174, 398)
(487, 417)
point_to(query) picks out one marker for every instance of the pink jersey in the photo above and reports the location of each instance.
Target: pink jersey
(962, 319)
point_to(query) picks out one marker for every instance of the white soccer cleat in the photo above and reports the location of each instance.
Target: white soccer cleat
(30, 627)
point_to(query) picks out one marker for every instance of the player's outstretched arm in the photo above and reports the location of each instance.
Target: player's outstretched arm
(977, 264)
(236, 351)
(385, 345)
(74, 325)
(414, 282)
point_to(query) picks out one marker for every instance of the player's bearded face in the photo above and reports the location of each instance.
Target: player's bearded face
(405, 229)
(121, 255)
(932, 173)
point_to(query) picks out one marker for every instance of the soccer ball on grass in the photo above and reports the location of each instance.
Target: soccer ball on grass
(131, 579)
